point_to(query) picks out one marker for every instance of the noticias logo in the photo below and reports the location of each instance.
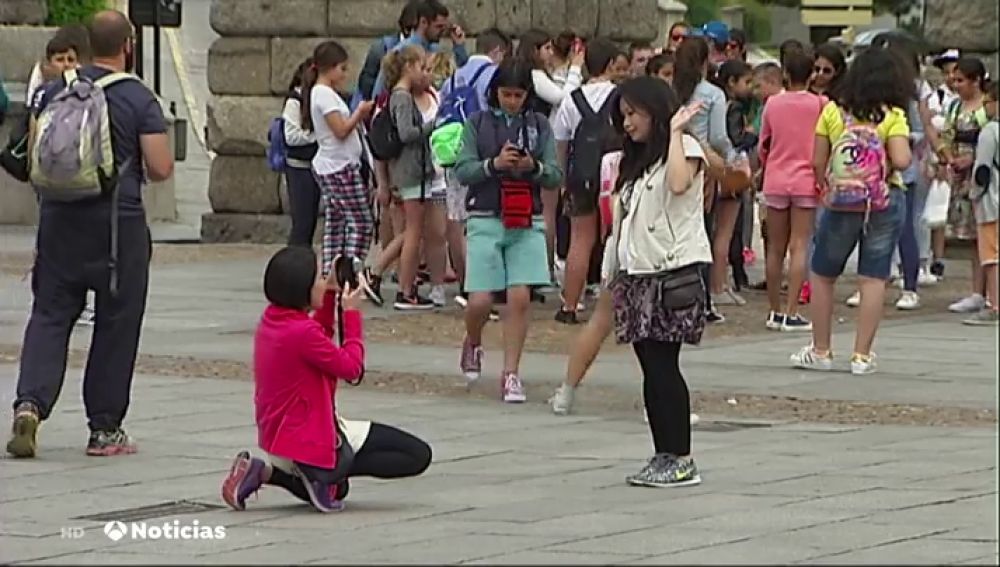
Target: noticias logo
(167, 530)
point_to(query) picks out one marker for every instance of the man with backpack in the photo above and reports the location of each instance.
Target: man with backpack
(431, 25)
(92, 235)
(584, 133)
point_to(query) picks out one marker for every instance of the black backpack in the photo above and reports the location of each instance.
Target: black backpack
(383, 137)
(594, 137)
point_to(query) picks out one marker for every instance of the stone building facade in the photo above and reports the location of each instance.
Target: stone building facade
(262, 42)
(968, 25)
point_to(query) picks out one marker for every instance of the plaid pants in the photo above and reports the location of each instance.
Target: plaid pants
(349, 225)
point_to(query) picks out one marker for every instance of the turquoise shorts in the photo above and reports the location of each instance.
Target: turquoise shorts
(498, 258)
(430, 193)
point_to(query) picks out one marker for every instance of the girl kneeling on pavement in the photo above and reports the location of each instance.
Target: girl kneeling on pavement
(652, 264)
(313, 450)
(508, 157)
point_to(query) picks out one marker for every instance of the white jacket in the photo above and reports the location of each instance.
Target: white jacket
(662, 231)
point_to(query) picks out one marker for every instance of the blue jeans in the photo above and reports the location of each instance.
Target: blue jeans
(839, 232)
(909, 253)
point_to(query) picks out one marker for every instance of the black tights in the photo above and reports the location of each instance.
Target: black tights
(388, 452)
(668, 403)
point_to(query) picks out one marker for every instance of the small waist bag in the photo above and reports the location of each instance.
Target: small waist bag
(515, 203)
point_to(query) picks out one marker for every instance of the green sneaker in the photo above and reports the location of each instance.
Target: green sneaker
(986, 317)
(665, 471)
(24, 433)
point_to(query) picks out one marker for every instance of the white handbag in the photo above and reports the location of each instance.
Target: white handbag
(935, 214)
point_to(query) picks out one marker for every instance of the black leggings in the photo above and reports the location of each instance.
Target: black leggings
(303, 198)
(668, 403)
(388, 452)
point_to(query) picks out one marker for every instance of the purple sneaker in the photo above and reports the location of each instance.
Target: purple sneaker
(244, 479)
(322, 495)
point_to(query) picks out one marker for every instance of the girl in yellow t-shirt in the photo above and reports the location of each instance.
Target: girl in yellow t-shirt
(875, 90)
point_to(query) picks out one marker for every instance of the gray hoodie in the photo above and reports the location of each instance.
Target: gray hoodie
(415, 163)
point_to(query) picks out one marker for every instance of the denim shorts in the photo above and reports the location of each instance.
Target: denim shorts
(839, 232)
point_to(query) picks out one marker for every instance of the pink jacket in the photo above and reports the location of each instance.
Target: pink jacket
(296, 367)
(787, 137)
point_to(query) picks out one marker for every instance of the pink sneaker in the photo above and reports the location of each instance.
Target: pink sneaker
(471, 362)
(513, 389)
(749, 256)
(806, 294)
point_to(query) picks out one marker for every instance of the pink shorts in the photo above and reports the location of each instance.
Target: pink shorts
(784, 201)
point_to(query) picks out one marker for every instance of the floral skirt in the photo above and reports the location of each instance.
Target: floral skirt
(639, 317)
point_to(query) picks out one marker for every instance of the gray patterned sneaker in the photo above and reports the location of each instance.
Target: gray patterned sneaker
(666, 471)
(109, 443)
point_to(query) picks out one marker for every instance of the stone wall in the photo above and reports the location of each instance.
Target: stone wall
(969, 25)
(263, 41)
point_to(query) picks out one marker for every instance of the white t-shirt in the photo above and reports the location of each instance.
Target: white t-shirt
(438, 186)
(568, 118)
(334, 154)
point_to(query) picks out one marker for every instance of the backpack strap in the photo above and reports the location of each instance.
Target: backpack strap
(479, 73)
(112, 78)
(581, 103)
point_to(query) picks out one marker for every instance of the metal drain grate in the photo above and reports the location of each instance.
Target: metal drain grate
(728, 426)
(175, 508)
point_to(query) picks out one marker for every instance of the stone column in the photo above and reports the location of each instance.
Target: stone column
(263, 41)
(967, 25)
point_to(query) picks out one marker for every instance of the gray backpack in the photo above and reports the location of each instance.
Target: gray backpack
(71, 157)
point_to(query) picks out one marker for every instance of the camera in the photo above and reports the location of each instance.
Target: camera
(347, 269)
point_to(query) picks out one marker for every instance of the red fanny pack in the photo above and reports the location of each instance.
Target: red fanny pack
(515, 203)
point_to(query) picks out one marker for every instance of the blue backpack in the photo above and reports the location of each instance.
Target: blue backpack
(461, 101)
(277, 150)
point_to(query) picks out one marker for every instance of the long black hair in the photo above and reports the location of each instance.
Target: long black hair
(655, 98)
(513, 72)
(689, 66)
(326, 56)
(530, 43)
(876, 79)
(832, 53)
(289, 277)
(300, 72)
(732, 69)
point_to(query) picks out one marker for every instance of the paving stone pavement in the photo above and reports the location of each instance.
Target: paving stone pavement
(508, 485)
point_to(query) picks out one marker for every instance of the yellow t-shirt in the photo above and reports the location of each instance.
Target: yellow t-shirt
(831, 126)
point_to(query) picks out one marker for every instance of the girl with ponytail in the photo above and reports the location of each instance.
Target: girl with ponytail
(338, 163)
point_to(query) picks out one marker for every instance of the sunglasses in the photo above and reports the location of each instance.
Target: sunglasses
(823, 70)
(678, 36)
(734, 45)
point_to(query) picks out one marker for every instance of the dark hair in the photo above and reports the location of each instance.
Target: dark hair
(409, 16)
(289, 277)
(972, 68)
(110, 31)
(738, 36)
(798, 67)
(529, 45)
(876, 79)
(600, 54)
(675, 25)
(732, 69)
(430, 10)
(658, 62)
(562, 44)
(78, 37)
(832, 53)
(992, 89)
(513, 73)
(638, 46)
(300, 72)
(492, 39)
(789, 46)
(904, 47)
(58, 44)
(655, 98)
(689, 66)
(326, 56)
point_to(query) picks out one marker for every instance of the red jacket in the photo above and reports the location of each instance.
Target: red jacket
(296, 367)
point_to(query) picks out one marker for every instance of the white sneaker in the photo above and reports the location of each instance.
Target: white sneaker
(695, 419)
(809, 359)
(971, 304)
(908, 301)
(461, 301)
(513, 389)
(737, 298)
(580, 307)
(562, 400)
(862, 366)
(926, 279)
(437, 296)
(854, 300)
